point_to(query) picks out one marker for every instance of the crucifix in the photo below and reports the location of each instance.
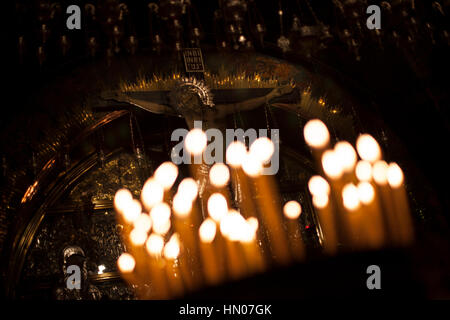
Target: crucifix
(192, 100)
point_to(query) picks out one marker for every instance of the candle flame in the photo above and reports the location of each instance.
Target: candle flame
(219, 175)
(126, 263)
(207, 231)
(316, 134)
(292, 209)
(368, 148)
(395, 175)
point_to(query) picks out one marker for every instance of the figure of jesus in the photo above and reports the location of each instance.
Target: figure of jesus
(190, 100)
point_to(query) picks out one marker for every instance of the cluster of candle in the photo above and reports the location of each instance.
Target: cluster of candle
(361, 201)
(179, 238)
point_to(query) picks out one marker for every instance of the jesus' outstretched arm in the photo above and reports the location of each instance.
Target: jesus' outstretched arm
(143, 104)
(225, 109)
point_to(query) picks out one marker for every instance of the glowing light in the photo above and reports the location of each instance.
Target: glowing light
(181, 205)
(363, 170)
(196, 141)
(207, 231)
(143, 222)
(166, 174)
(346, 155)
(217, 206)
(226, 223)
(366, 192)
(252, 166)
(121, 199)
(219, 175)
(263, 149)
(162, 227)
(233, 226)
(160, 213)
(154, 244)
(138, 237)
(320, 201)
(126, 263)
(331, 165)
(132, 211)
(317, 185)
(380, 169)
(152, 193)
(188, 188)
(395, 175)
(172, 247)
(316, 134)
(235, 154)
(253, 223)
(368, 148)
(292, 209)
(101, 268)
(350, 197)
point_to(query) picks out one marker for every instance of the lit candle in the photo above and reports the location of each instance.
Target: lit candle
(368, 148)
(213, 271)
(404, 222)
(126, 265)
(379, 172)
(236, 265)
(352, 204)
(183, 206)
(327, 222)
(171, 254)
(154, 246)
(373, 219)
(292, 210)
(317, 137)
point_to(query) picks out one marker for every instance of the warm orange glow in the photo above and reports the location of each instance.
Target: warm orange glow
(317, 185)
(316, 134)
(292, 209)
(253, 223)
(152, 193)
(172, 247)
(162, 227)
(166, 174)
(160, 213)
(132, 211)
(331, 165)
(234, 227)
(263, 149)
(207, 230)
(143, 222)
(188, 189)
(121, 199)
(380, 170)
(126, 263)
(366, 192)
(252, 166)
(320, 201)
(363, 170)
(235, 154)
(350, 197)
(395, 175)
(182, 206)
(155, 244)
(217, 206)
(368, 148)
(346, 155)
(138, 237)
(196, 141)
(226, 223)
(219, 175)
